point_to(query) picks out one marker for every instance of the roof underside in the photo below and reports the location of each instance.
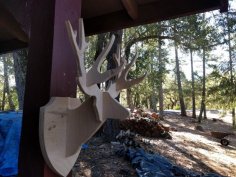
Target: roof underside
(109, 15)
(12, 36)
(101, 16)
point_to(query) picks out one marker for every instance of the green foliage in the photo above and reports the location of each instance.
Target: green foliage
(222, 91)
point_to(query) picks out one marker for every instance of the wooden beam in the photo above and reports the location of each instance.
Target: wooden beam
(11, 45)
(51, 71)
(131, 7)
(149, 13)
(37, 87)
(10, 24)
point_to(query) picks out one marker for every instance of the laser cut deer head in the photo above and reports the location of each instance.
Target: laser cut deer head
(88, 81)
(65, 123)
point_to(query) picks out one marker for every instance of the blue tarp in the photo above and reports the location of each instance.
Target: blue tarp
(10, 129)
(155, 165)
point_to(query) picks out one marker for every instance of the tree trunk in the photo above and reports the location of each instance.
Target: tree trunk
(203, 102)
(3, 97)
(172, 104)
(193, 87)
(204, 84)
(180, 91)
(100, 44)
(234, 118)
(137, 100)
(111, 127)
(161, 66)
(153, 103)
(6, 85)
(231, 68)
(129, 99)
(101, 41)
(117, 44)
(20, 58)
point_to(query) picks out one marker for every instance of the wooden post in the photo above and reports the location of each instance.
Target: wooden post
(51, 71)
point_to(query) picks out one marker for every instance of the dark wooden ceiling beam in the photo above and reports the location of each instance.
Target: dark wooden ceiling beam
(151, 12)
(10, 45)
(131, 7)
(10, 24)
(12, 37)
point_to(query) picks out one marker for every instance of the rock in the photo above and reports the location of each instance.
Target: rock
(87, 172)
(214, 120)
(200, 128)
(125, 172)
(144, 114)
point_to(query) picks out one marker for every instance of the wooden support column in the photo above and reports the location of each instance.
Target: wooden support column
(51, 72)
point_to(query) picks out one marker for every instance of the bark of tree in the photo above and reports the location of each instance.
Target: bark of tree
(161, 94)
(117, 44)
(203, 102)
(99, 47)
(129, 99)
(234, 118)
(153, 103)
(137, 100)
(173, 103)
(153, 99)
(6, 86)
(111, 127)
(231, 68)
(100, 44)
(180, 90)
(3, 98)
(20, 58)
(193, 87)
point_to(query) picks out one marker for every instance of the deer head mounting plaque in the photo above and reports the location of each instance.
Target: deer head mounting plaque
(66, 123)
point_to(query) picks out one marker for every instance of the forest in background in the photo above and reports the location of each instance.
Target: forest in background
(189, 61)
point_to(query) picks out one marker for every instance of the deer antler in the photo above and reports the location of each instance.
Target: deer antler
(87, 81)
(121, 81)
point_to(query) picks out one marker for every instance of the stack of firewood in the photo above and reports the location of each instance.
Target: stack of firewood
(140, 113)
(146, 128)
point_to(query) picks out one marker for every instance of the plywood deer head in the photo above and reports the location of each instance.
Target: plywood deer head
(66, 123)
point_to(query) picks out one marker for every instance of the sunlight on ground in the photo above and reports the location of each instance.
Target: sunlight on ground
(194, 147)
(214, 151)
(198, 150)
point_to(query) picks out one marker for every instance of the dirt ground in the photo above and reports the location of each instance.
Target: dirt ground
(189, 148)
